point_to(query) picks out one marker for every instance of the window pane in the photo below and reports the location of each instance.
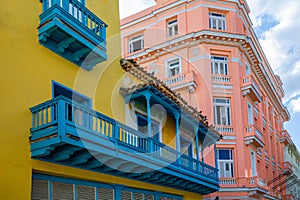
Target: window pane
(224, 154)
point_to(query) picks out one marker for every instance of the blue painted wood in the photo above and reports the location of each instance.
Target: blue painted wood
(128, 140)
(61, 117)
(197, 150)
(64, 22)
(176, 114)
(216, 160)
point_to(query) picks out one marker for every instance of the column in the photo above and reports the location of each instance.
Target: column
(148, 97)
(216, 158)
(177, 131)
(197, 148)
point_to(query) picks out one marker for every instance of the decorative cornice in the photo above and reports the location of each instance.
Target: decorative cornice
(243, 42)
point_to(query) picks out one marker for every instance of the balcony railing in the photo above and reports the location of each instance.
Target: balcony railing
(71, 30)
(61, 122)
(228, 181)
(285, 137)
(252, 135)
(181, 80)
(224, 128)
(216, 78)
(287, 167)
(249, 87)
(257, 182)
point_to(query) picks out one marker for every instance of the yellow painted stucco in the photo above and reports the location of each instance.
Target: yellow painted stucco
(26, 73)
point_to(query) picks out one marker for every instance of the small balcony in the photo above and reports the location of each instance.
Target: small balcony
(67, 133)
(287, 168)
(285, 137)
(228, 182)
(250, 88)
(258, 182)
(219, 78)
(72, 31)
(253, 136)
(225, 129)
(182, 80)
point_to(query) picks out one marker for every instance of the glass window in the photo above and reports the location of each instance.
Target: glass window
(173, 67)
(136, 43)
(250, 113)
(225, 162)
(219, 65)
(142, 126)
(253, 163)
(222, 111)
(172, 28)
(247, 69)
(217, 21)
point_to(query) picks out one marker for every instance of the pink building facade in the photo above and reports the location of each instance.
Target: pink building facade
(208, 52)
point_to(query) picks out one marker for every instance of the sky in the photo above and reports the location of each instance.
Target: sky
(277, 26)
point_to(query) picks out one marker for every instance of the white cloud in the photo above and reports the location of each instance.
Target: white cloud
(129, 7)
(294, 105)
(281, 43)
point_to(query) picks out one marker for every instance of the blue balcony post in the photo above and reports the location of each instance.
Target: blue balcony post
(197, 149)
(65, 5)
(116, 133)
(156, 195)
(55, 2)
(61, 116)
(148, 97)
(103, 31)
(118, 192)
(216, 159)
(177, 115)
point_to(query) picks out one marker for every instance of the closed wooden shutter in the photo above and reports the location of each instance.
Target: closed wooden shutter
(149, 197)
(85, 192)
(162, 198)
(138, 196)
(39, 190)
(126, 195)
(105, 194)
(62, 191)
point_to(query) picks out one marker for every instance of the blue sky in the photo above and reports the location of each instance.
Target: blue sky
(277, 25)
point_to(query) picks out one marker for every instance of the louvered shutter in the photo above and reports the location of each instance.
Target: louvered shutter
(62, 191)
(162, 198)
(85, 192)
(149, 197)
(138, 196)
(39, 190)
(126, 195)
(105, 194)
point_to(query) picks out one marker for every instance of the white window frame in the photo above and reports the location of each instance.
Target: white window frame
(219, 65)
(222, 111)
(172, 64)
(217, 21)
(133, 40)
(172, 27)
(250, 113)
(226, 167)
(253, 163)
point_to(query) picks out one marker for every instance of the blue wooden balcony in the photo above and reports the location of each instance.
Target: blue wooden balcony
(68, 133)
(72, 31)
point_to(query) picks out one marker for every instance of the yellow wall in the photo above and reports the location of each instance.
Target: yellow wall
(26, 71)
